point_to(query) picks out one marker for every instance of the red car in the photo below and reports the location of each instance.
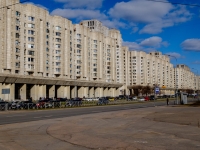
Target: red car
(146, 98)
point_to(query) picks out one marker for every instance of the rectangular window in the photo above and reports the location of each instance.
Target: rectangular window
(30, 45)
(31, 53)
(58, 28)
(17, 13)
(31, 32)
(58, 46)
(31, 39)
(30, 18)
(58, 34)
(31, 25)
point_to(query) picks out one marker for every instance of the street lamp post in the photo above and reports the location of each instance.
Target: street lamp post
(197, 83)
(176, 89)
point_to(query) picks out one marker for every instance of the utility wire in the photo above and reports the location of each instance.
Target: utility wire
(14, 4)
(174, 3)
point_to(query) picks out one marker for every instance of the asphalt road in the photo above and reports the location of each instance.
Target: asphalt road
(11, 117)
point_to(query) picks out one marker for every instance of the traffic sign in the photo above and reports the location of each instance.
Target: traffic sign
(157, 90)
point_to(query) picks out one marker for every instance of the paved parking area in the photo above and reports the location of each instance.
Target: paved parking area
(157, 128)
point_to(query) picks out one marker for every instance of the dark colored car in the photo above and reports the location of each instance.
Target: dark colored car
(27, 105)
(102, 101)
(5, 105)
(152, 97)
(74, 102)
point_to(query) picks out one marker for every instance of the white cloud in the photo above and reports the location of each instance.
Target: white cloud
(88, 4)
(191, 44)
(149, 44)
(155, 15)
(174, 55)
(79, 14)
(140, 11)
(152, 42)
(132, 45)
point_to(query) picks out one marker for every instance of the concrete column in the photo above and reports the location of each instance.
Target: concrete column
(12, 92)
(52, 91)
(41, 91)
(34, 93)
(60, 92)
(101, 92)
(86, 91)
(81, 92)
(23, 92)
(91, 92)
(74, 92)
(98, 92)
(66, 92)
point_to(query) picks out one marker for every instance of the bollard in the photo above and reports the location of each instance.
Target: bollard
(60, 104)
(28, 106)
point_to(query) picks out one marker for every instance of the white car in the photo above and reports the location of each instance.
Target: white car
(134, 98)
(141, 99)
(87, 99)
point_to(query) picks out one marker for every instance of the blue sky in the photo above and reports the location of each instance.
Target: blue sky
(144, 24)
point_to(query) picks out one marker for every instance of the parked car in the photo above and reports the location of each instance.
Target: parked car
(102, 101)
(134, 98)
(5, 105)
(146, 98)
(122, 97)
(16, 105)
(74, 102)
(141, 98)
(151, 97)
(111, 98)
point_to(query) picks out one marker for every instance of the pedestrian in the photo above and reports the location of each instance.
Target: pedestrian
(167, 101)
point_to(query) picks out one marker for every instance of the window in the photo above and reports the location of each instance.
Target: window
(17, 28)
(17, 21)
(58, 34)
(58, 57)
(17, 42)
(78, 51)
(30, 59)
(31, 32)
(78, 45)
(30, 18)
(17, 35)
(58, 63)
(31, 25)
(31, 39)
(58, 46)
(58, 28)
(17, 50)
(47, 30)
(31, 53)
(17, 13)
(30, 45)
(57, 51)
(58, 40)
(78, 35)
(57, 69)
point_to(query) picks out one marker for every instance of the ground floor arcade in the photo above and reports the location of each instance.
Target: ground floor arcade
(24, 88)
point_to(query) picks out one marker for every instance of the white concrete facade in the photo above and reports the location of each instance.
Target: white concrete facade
(48, 56)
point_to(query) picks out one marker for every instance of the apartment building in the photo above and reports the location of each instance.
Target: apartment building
(48, 56)
(153, 69)
(185, 78)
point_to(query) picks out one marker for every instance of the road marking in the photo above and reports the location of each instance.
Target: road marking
(43, 117)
